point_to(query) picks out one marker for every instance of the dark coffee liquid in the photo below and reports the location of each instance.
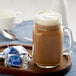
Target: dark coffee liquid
(47, 44)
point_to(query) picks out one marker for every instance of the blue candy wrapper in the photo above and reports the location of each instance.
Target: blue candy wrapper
(14, 60)
(16, 56)
(12, 50)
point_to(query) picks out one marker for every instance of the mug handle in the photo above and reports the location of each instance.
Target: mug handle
(19, 18)
(67, 51)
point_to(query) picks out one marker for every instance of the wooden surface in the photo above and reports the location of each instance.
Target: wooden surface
(33, 70)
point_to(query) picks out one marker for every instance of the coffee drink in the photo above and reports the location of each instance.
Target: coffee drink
(48, 39)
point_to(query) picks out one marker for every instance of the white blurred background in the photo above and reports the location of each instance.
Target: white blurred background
(30, 7)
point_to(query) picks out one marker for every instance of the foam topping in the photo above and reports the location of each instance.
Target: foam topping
(48, 18)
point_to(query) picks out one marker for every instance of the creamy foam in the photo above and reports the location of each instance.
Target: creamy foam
(48, 18)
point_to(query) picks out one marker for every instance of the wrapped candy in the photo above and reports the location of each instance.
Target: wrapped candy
(16, 56)
(12, 50)
(14, 60)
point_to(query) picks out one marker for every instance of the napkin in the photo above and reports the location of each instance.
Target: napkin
(22, 30)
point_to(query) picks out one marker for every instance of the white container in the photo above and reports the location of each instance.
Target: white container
(8, 18)
(61, 7)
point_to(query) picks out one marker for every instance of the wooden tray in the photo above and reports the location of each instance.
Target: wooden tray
(33, 70)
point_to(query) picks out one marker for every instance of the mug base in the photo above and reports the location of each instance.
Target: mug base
(46, 66)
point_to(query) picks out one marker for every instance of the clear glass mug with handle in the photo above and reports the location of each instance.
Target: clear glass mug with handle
(48, 38)
(67, 38)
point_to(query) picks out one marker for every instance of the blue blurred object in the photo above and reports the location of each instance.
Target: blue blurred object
(15, 61)
(12, 50)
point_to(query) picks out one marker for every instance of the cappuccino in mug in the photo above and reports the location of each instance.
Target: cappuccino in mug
(48, 39)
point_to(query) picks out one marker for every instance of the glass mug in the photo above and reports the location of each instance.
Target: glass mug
(48, 38)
